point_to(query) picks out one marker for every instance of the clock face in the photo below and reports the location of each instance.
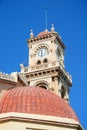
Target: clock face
(42, 52)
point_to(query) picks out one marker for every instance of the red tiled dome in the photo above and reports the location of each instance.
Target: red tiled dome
(44, 33)
(35, 100)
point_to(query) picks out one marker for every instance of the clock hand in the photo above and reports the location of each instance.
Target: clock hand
(41, 53)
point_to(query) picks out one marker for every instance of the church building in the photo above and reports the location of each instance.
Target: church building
(37, 97)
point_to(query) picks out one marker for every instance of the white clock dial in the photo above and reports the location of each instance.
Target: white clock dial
(42, 52)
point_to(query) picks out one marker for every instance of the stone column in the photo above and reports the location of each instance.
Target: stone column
(56, 84)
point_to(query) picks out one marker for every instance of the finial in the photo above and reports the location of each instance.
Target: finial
(46, 30)
(21, 65)
(31, 34)
(52, 28)
(46, 18)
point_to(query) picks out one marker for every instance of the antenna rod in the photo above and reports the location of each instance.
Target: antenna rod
(46, 17)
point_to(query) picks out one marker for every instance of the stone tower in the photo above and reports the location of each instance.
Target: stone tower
(46, 63)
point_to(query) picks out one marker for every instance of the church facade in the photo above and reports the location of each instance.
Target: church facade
(37, 97)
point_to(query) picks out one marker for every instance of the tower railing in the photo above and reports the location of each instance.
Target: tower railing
(46, 66)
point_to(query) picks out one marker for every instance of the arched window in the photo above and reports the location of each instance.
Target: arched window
(42, 85)
(45, 61)
(38, 62)
(63, 92)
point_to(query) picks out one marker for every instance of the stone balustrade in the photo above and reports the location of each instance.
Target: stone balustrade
(6, 76)
(44, 66)
(39, 67)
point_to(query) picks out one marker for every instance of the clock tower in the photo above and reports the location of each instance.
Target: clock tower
(46, 63)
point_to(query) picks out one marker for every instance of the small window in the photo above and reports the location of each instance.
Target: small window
(45, 61)
(38, 62)
(28, 82)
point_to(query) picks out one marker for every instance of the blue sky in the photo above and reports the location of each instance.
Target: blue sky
(69, 17)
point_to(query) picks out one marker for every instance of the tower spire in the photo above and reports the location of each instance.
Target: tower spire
(46, 18)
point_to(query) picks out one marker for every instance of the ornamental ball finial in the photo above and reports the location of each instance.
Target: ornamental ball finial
(31, 34)
(52, 28)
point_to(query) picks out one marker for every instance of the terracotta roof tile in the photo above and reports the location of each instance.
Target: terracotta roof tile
(35, 100)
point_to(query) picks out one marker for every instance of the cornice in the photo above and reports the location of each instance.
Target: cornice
(40, 119)
(31, 40)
